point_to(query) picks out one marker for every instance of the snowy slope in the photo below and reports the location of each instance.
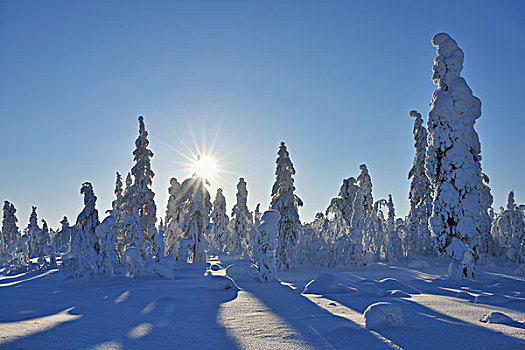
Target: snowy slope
(42, 310)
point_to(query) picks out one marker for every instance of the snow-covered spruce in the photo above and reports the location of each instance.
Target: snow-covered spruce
(266, 245)
(242, 222)
(33, 231)
(220, 234)
(83, 255)
(10, 233)
(195, 198)
(419, 241)
(63, 237)
(487, 246)
(509, 229)
(453, 159)
(286, 203)
(173, 220)
(365, 183)
(139, 195)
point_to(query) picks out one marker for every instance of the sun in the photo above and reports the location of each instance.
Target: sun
(204, 167)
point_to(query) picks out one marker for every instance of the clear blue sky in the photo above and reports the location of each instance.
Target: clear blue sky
(335, 80)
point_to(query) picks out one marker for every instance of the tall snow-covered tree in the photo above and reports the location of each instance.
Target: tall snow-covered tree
(116, 210)
(220, 233)
(33, 231)
(265, 246)
(419, 239)
(285, 202)
(241, 223)
(487, 247)
(453, 159)
(10, 232)
(139, 195)
(83, 256)
(365, 184)
(196, 221)
(173, 220)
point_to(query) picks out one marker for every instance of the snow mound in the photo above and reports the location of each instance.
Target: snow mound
(383, 315)
(418, 264)
(491, 299)
(164, 267)
(220, 283)
(399, 294)
(324, 283)
(235, 271)
(497, 317)
(370, 290)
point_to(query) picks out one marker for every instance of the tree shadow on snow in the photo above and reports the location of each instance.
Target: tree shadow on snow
(118, 312)
(319, 328)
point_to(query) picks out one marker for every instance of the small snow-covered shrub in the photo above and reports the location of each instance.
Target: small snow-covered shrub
(383, 315)
(324, 283)
(220, 283)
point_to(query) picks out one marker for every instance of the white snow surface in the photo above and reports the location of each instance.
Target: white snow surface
(43, 309)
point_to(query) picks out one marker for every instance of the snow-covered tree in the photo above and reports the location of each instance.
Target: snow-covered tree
(419, 241)
(347, 243)
(195, 224)
(487, 247)
(139, 195)
(83, 255)
(105, 232)
(174, 216)
(116, 210)
(220, 234)
(242, 221)
(266, 245)
(41, 241)
(286, 203)
(453, 159)
(63, 237)
(257, 215)
(365, 184)
(10, 233)
(33, 231)
(509, 229)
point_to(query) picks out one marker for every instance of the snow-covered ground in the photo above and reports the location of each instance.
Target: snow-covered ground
(422, 310)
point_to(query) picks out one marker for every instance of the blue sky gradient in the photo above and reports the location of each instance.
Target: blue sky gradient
(335, 80)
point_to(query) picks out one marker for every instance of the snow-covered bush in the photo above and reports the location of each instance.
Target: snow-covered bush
(453, 158)
(63, 237)
(286, 203)
(241, 222)
(266, 245)
(220, 235)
